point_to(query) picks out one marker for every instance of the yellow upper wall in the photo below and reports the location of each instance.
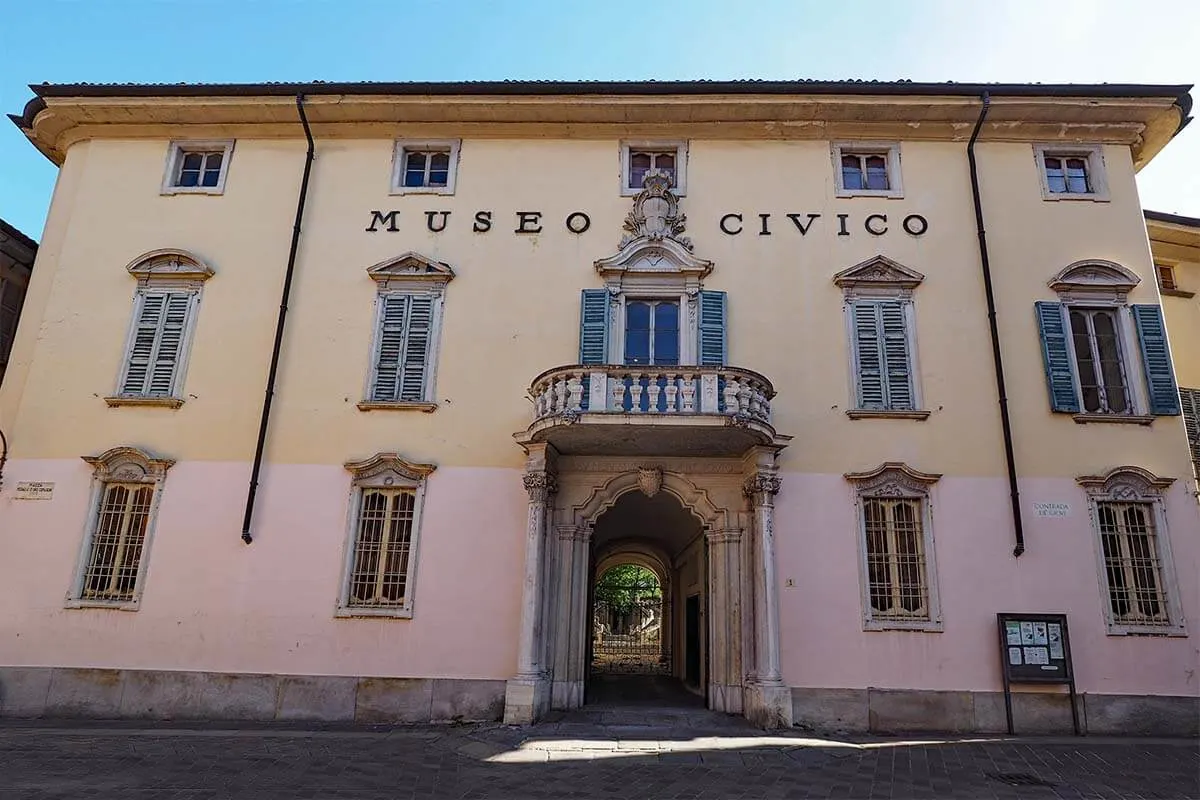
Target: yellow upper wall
(513, 309)
(1177, 245)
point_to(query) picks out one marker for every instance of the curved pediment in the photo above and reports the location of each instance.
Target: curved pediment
(1095, 276)
(655, 257)
(169, 264)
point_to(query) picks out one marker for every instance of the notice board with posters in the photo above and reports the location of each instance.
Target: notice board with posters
(1035, 648)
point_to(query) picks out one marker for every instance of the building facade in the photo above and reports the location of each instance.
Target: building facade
(1175, 245)
(17, 252)
(850, 368)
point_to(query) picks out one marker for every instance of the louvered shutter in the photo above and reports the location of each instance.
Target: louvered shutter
(898, 380)
(1190, 401)
(416, 349)
(711, 349)
(593, 326)
(1156, 360)
(392, 318)
(169, 347)
(1056, 357)
(141, 349)
(868, 355)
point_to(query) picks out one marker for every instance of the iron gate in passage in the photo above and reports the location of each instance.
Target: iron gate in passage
(627, 626)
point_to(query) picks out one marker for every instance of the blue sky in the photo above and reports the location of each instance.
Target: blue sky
(166, 41)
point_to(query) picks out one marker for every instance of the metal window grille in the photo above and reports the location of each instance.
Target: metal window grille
(896, 568)
(1132, 568)
(115, 553)
(382, 548)
(1096, 340)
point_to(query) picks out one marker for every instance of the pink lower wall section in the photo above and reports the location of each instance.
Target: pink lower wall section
(212, 603)
(822, 638)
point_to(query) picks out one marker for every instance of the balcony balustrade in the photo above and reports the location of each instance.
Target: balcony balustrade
(615, 409)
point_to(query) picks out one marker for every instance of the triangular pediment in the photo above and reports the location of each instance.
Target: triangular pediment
(879, 272)
(411, 267)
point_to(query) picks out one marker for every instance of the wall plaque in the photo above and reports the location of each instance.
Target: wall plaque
(34, 490)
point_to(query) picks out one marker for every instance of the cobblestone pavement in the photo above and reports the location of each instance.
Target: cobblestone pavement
(603, 755)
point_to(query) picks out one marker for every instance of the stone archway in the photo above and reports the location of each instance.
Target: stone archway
(718, 531)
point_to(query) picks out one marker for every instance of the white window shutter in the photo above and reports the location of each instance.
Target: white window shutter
(416, 349)
(868, 355)
(896, 356)
(402, 355)
(149, 314)
(170, 344)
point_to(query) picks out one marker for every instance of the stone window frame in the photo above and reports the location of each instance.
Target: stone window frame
(382, 471)
(164, 271)
(1099, 284)
(881, 278)
(119, 465)
(178, 148)
(889, 150)
(680, 146)
(451, 146)
(1097, 178)
(894, 480)
(407, 274)
(1131, 484)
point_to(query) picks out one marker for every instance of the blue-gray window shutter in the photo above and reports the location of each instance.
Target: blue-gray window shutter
(867, 356)
(711, 349)
(402, 348)
(1056, 357)
(157, 346)
(593, 326)
(1156, 360)
(896, 356)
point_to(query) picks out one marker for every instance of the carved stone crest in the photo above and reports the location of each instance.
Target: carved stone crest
(650, 480)
(655, 215)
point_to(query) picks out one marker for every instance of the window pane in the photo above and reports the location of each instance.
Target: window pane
(1118, 590)
(1055, 179)
(879, 587)
(213, 161)
(642, 161)
(193, 160)
(1110, 361)
(439, 168)
(666, 347)
(665, 162)
(1081, 339)
(852, 177)
(1077, 176)
(637, 333)
(414, 169)
(877, 177)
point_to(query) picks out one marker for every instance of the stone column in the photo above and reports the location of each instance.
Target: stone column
(770, 702)
(570, 610)
(526, 696)
(725, 682)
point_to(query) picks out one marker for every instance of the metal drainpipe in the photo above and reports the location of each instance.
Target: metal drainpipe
(3, 455)
(283, 307)
(1005, 423)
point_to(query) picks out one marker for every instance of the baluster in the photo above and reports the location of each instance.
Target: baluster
(672, 388)
(731, 395)
(574, 392)
(655, 391)
(743, 398)
(635, 393)
(689, 393)
(617, 387)
(560, 396)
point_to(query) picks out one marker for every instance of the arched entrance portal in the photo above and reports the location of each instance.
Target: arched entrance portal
(647, 641)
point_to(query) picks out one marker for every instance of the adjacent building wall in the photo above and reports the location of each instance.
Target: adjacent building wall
(17, 252)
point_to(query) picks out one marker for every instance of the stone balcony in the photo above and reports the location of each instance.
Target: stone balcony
(620, 410)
